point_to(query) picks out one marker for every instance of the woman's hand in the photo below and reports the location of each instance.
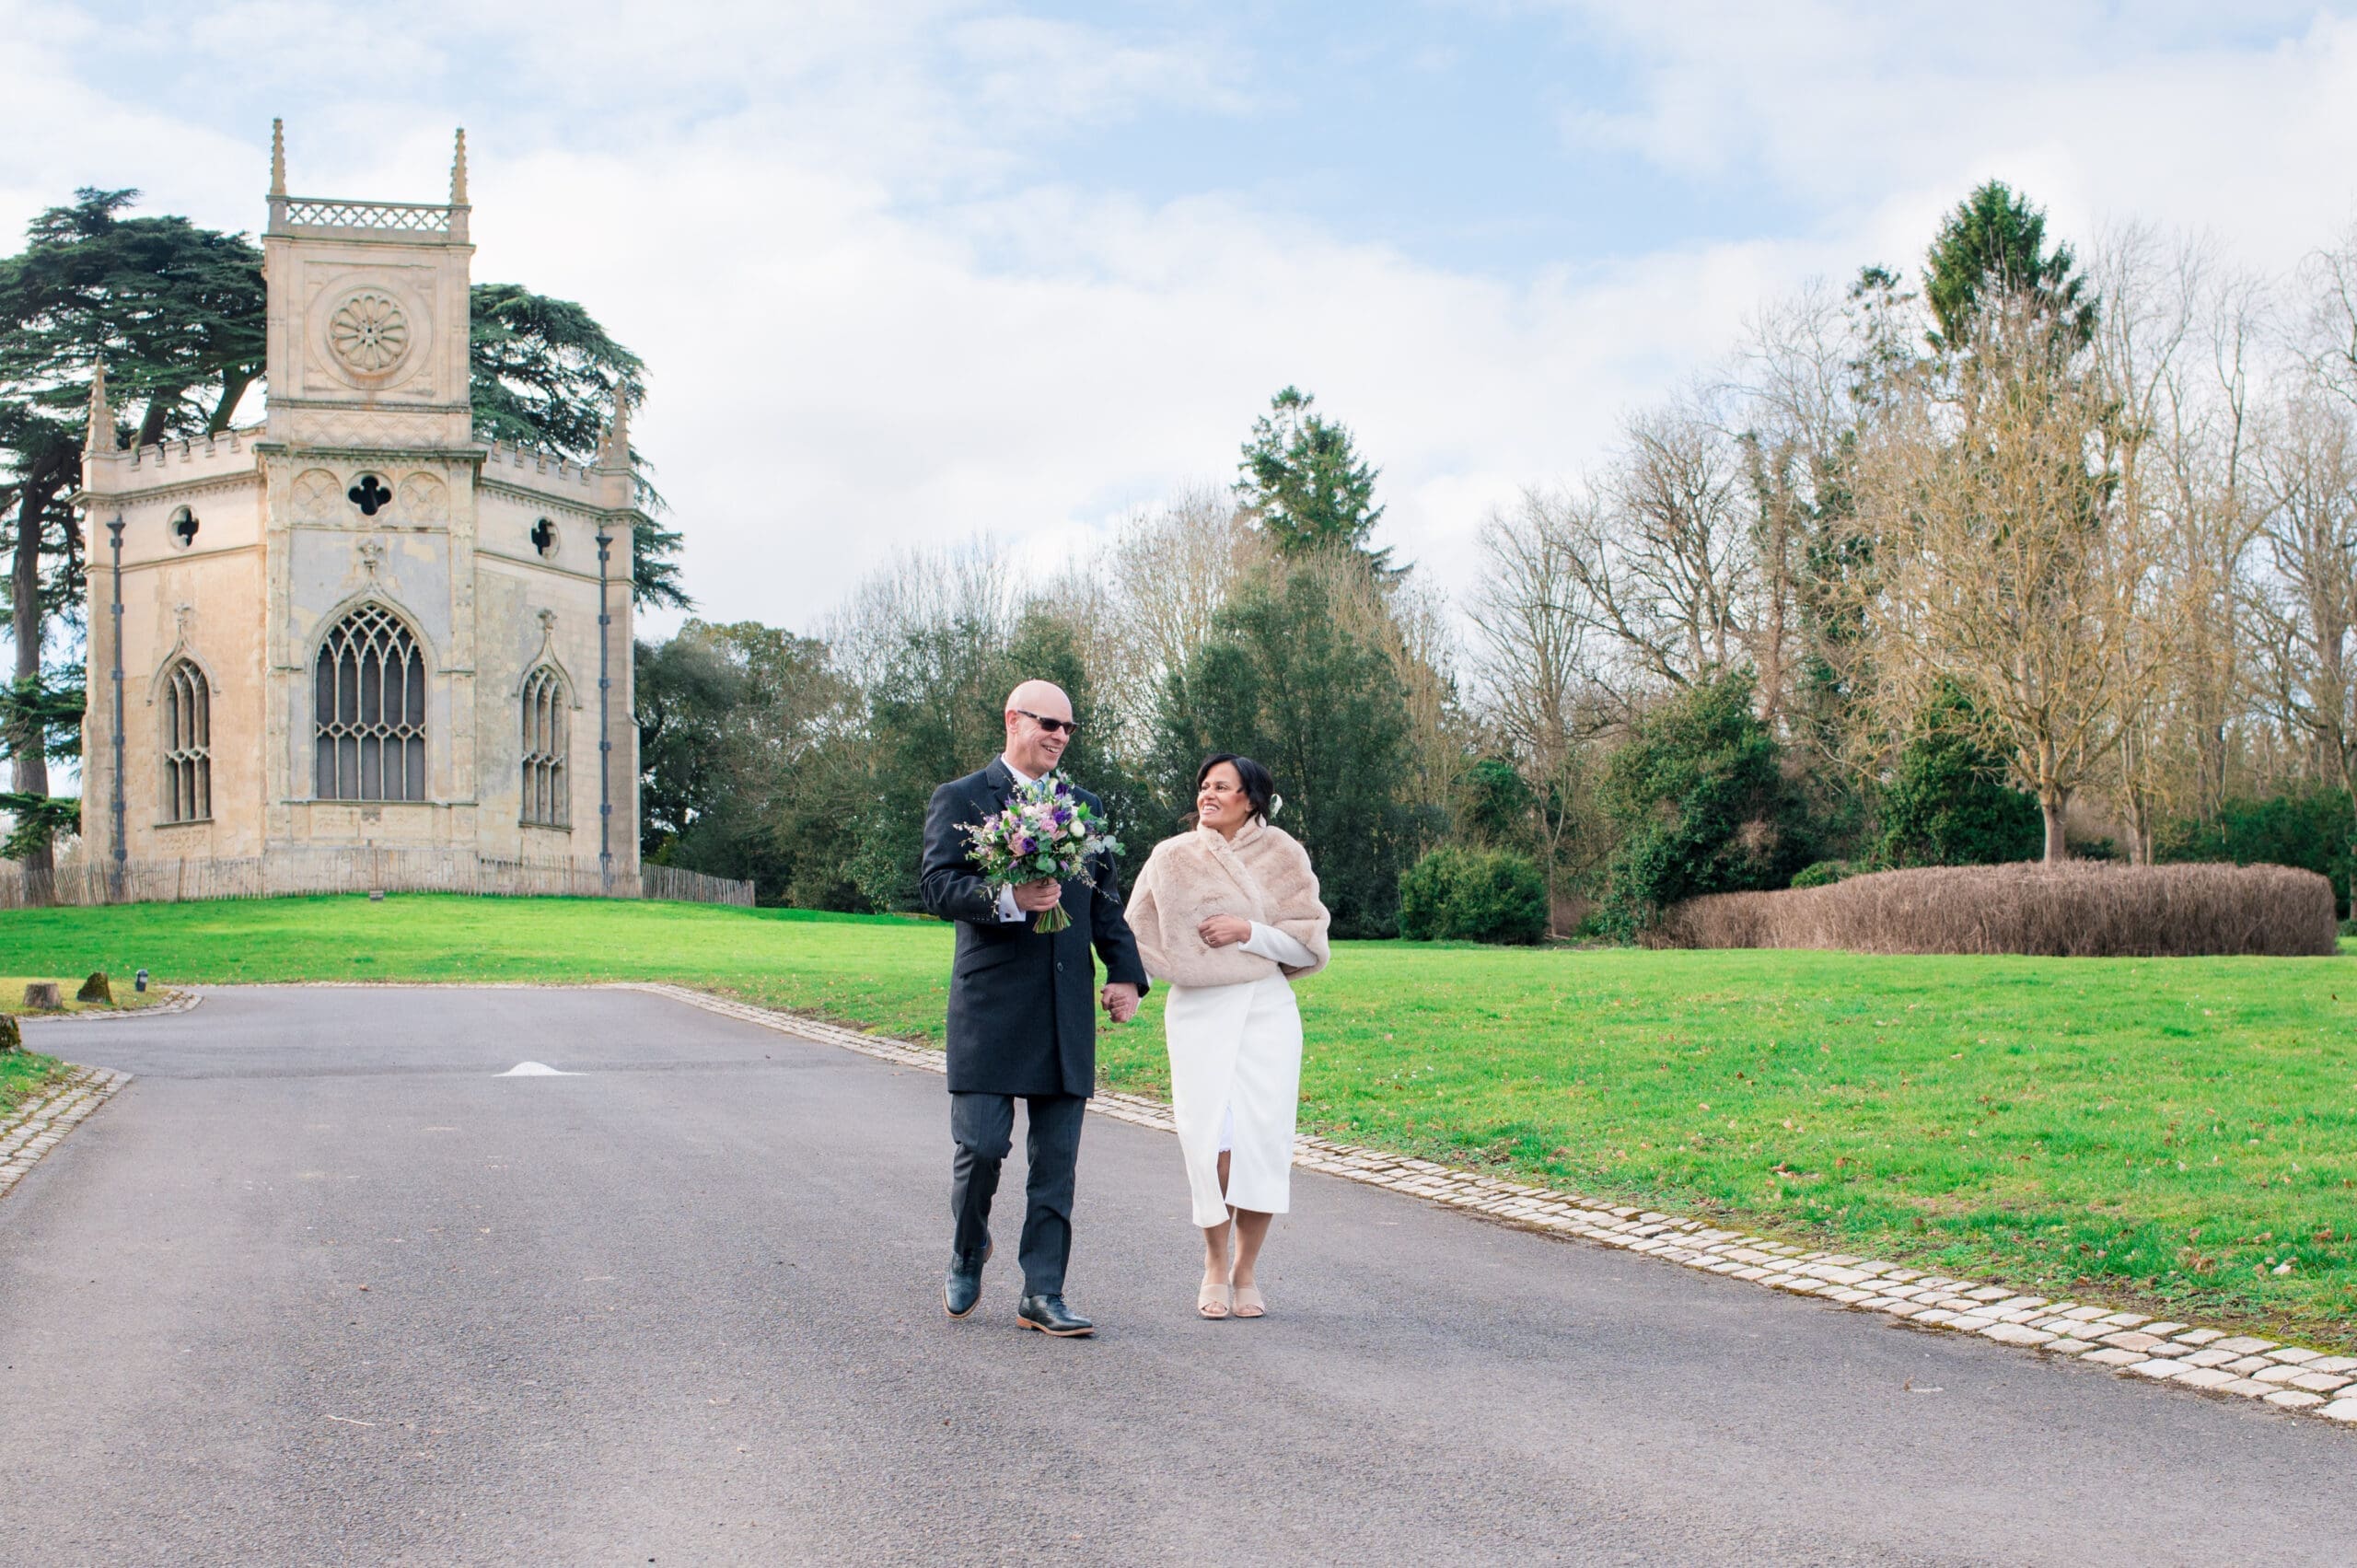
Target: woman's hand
(1224, 930)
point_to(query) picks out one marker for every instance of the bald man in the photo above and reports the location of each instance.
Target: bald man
(1021, 1022)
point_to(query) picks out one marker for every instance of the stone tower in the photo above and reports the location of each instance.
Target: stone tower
(357, 627)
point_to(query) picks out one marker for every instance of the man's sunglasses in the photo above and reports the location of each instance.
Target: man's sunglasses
(1053, 726)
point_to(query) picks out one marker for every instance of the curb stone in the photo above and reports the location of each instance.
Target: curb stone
(37, 1125)
(182, 1000)
(2215, 1361)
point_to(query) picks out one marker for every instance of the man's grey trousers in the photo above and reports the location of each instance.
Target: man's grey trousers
(983, 1127)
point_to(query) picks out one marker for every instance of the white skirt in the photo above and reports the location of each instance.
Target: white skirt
(1236, 1084)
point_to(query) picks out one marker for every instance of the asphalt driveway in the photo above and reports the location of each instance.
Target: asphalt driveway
(323, 1285)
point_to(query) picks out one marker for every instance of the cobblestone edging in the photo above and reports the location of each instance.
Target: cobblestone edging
(36, 1126)
(2213, 1360)
(180, 1001)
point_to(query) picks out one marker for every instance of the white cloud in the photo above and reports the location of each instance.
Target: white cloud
(880, 313)
(1877, 117)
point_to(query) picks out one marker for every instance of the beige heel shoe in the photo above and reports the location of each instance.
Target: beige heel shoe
(1249, 1302)
(1212, 1302)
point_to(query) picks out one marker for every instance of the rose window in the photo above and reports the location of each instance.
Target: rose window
(369, 332)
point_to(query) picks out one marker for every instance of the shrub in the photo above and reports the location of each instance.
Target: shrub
(1823, 873)
(2317, 832)
(1461, 895)
(1700, 795)
(2074, 910)
(1947, 802)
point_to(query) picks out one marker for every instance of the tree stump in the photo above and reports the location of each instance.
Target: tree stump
(43, 994)
(95, 989)
(11, 1036)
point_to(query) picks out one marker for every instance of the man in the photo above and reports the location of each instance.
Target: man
(1020, 1023)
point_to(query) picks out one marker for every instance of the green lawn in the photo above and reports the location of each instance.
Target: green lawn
(2160, 1132)
(21, 1073)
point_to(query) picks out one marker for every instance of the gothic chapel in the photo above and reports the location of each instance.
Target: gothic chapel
(356, 627)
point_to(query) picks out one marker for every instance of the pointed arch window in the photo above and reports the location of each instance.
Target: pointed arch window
(188, 744)
(368, 710)
(547, 802)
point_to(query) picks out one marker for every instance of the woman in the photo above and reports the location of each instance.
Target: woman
(1228, 915)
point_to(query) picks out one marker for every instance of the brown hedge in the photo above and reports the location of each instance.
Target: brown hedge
(2079, 908)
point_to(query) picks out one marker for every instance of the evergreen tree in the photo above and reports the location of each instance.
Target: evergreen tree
(543, 372)
(937, 715)
(740, 732)
(1949, 804)
(1700, 799)
(1994, 242)
(1284, 681)
(1303, 479)
(176, 311)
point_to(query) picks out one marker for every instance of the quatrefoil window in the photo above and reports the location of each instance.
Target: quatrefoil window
(369, 332)
(370, 495)
(543, 537)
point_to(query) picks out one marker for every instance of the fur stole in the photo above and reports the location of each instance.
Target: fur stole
(1262, 875)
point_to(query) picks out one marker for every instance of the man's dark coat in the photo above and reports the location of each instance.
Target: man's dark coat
(1022, 1007)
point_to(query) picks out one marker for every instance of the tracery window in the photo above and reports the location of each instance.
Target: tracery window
(546, 801)
(188, 744)
(368, 710)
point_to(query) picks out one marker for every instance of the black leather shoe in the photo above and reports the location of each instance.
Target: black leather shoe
(963, 1287)
(1051, 1315)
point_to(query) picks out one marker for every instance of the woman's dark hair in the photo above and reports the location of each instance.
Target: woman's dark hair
(1259, 787)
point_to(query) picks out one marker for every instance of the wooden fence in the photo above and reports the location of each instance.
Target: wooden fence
(289, 873)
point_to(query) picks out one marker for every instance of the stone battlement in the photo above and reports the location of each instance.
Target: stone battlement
(173, 462)
(548, 473)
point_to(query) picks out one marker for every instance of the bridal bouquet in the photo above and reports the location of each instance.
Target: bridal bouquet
(1045, 832)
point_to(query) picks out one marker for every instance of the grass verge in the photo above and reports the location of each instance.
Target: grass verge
(24, 1073)
(12, 996)
(2179, 1134)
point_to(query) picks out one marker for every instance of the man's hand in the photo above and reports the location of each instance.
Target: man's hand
(1223, 930)
(1038, 898)
(1122, 1001)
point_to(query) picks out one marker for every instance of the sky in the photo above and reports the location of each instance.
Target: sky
(908, 274)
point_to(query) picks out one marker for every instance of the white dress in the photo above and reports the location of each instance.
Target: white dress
(1235, 1083)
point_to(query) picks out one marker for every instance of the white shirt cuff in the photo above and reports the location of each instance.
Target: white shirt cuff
(1275, 945)
(1008, 912)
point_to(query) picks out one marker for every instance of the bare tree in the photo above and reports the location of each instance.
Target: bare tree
(1152, 596)
(1796, 382)
(972, 591)
(2306, 607)
(1673, 576)
(1656, 558)
(2173, 445)
(2003, 562)
(1536, 661)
